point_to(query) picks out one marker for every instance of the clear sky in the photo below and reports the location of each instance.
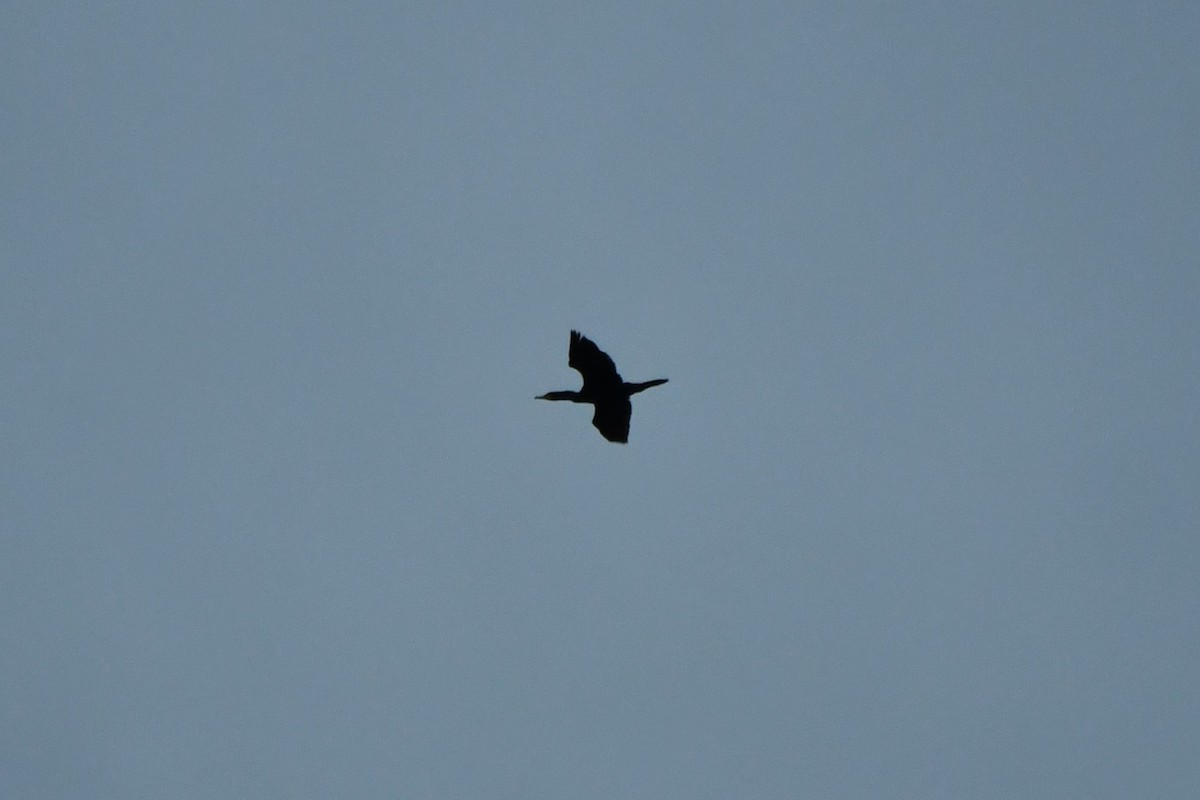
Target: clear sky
(916, 516)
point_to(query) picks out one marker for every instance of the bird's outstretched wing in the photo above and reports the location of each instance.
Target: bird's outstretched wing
(598, 370)
(612, 419)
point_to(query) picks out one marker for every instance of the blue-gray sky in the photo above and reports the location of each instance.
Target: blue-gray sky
(915, 516)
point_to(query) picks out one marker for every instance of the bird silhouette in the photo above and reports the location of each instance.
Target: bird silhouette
(602, 387)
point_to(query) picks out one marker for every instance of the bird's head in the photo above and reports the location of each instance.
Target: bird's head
(558, 396)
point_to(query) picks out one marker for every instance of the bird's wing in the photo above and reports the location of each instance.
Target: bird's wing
(593, 364)
(612, 419)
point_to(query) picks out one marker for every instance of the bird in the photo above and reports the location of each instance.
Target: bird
(602, 387)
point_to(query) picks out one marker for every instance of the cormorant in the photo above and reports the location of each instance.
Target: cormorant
(602, 387)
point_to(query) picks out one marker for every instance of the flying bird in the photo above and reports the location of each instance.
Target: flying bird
(602, 387)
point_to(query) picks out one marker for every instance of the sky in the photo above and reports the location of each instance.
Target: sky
(915, 516)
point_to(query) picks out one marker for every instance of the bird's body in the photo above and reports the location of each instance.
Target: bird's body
(602, 387)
